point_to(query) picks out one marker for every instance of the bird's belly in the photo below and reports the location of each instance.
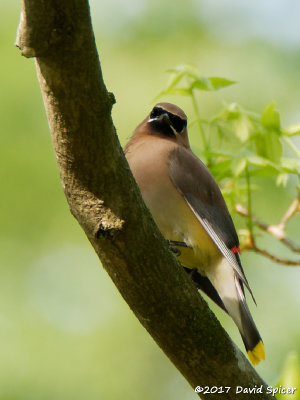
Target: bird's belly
(202, 254)
(177, 222)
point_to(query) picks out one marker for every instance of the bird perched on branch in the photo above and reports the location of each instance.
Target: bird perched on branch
(189, 209)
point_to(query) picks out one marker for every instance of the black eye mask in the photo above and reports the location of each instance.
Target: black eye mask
(178, 123)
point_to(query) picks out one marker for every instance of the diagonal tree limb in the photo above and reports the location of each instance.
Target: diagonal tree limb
(105, 200)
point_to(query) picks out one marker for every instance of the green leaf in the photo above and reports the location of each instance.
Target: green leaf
(174, 80)
(220, 83)
(292, 130)
(282, 179)
(273, 146)
(211, 83)
(242, 128)
(268, 145)
(218, 153)
(202, 84)
(238, 166)
(231, 112)
(257, 160)
(290, 165)
(239, 161)
(269, 168)
(270, 118)
(188, 70)
(221, 170)
(223, 133)
(265, 172)
(265, 168)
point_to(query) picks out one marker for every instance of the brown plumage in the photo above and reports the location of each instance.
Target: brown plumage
(189, 209)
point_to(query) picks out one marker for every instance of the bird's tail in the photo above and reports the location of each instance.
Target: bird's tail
(230, 289)
(250, 335)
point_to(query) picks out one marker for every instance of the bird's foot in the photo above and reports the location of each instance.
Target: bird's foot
(175, 250)
(177, 243)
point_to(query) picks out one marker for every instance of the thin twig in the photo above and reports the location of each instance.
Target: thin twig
(274, 230)
(265, 253)
(294, 207)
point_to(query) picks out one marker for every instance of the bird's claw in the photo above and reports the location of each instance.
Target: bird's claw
(176, 251)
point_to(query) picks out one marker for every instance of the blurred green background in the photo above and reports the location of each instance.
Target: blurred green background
(65, 332)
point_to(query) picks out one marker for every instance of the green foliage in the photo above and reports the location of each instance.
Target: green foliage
(292, 130)
(236, 141)
(193, 81)
(290, 378)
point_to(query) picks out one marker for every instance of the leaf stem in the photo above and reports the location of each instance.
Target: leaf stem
(204, 141)
(249, 201)
(291, 146)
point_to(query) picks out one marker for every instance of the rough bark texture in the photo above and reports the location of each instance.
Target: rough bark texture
(105, 200)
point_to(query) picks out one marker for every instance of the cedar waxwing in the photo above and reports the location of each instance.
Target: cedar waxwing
(189, 209)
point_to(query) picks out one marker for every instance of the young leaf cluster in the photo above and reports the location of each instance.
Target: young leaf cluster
(238, 145)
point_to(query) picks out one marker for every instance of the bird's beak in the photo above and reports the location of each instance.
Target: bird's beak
(164, 118)
(161, 118)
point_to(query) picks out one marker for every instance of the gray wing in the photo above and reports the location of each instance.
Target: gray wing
(201, 192)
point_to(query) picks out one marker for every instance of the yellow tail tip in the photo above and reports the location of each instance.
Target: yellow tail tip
(257, 354)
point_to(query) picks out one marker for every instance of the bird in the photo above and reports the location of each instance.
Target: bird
(188, 207)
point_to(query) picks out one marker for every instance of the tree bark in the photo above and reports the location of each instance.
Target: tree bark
(106, 202)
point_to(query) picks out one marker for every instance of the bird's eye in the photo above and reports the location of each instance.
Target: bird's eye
(156, 112)
(178, 123)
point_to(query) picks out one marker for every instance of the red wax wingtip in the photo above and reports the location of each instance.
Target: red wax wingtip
(236, 249)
